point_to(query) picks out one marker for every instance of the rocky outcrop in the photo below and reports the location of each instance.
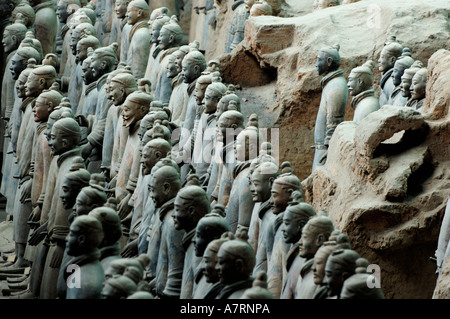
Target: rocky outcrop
(285, 49)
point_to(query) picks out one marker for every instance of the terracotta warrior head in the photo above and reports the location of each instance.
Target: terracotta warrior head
(85, 236)
(295, 218)
(283, 187)
(248, 141)
(40, 79)
(407, 76)
(171, 34)
(27, 13)
(77, 178)
(122, 84)
(137, 10)
(65, 8)
(223, 104)
(155, 150)
(81, 51)
(320, 260)
(13, 35)
(194, 63)
(262, 177)
(389, 54)
(210, 227)
(214, 93)
(316, 231)
(46, 102)
(20, 59)
(328, 59)
(164, 185)
(401, 64)
(360, 78)
(91, 196)
(135, 107)
(111, 225)
(191, 204)
(120, 8)
(419, 84)
(341, 264)
(81, 31)
(236, 260)
(104, 60)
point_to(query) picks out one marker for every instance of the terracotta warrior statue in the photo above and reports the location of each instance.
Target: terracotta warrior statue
(224, 102)
(27, 12)
(261, 181)
(206, 129)
(137, 15)
(12, 37)
(169, 40)
(337, 240)
(318, 267)
(74, 182)
(88, 99)
(191, 204)
(210, 227)
(237, 25)
(79, 51)
(45, 24)
(235, 262)
(151, 71)
(90, 197)
(134, 109)
(193, 65)
(112, 231)
(209, 178)
(210, 271)
(315, 233)
(103, 62)
(229, 126)
(180, 96)
(333, 101)
(356, 287)
(406, 78)
(418, 89)
(154, 150)
(164, 186)
(64, 11)
(64, 140)
(401, 64)
(41, 158)
(84, 238)
(341, 264)
(281, 192)
(240, 205)
(118, 23)
(295, 217)
(359, 84)
(389, 54)
(121, 84)
(10, 166)
(40, 79)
